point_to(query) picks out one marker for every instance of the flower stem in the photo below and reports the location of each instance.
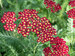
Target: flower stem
(36, 47)
(49, 13)
(1, 4)
(72, 30)
(64, 5)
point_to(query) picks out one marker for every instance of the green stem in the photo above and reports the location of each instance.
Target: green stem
(16, 7)
(49, 13)
(10, 2)
(36, 47)
(72, 30)
(61, 14)
(73, 52)
(64, 5)
(1, 4)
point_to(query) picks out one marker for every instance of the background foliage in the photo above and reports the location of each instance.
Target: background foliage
(13, 44)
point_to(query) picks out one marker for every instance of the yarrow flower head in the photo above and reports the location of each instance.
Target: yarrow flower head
(72, 3)
(71, 13)
(32, 22)
(59, 48)
(52, 5)
(9, 19)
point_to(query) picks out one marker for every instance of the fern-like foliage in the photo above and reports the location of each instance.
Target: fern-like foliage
(69, 38)
(12, 44)
(70, 26)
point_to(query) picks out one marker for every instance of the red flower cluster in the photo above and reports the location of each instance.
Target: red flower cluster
(72, 3)
(71, 14)
(32, 22)
(9, 19)
(52, 5)
(59, 49)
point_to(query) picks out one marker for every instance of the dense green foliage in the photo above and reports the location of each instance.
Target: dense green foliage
(14, 44)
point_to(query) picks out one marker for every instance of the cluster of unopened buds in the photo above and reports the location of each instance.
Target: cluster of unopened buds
(59, 48)
(9, 19)
(71, 12)
(52, 5)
